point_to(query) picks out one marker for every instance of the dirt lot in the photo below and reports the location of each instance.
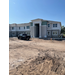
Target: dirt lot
(36, 57)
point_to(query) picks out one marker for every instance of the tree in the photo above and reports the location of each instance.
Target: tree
(62, 29)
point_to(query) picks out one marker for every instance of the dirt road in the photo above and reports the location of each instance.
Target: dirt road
(27, 57)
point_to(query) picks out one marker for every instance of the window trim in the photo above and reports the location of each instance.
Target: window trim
(24, 27)
(12, 28)
(54, 25)
(27, 26)
(48, 33)
(48, 25)
(54, 31)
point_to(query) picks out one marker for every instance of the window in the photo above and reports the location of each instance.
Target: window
(48, 25)
(54, 25)
(24, 27)
(12, 28)
(54, 32)
(19, 27)
(28, 27)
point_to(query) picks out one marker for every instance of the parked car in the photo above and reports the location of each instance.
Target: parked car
(24, 36)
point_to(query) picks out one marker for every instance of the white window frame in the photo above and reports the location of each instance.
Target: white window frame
(48, 25)
(54, 31)
(53, 25)
(49, 33)
(12, 28)
(27, 28)
(24, 27)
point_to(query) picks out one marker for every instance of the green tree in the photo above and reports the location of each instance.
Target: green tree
(62, 29)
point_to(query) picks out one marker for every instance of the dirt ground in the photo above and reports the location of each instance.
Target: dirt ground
(36, 57)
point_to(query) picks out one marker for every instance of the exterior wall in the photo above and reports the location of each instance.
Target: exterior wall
(9, 30)
(54, 28)
(58, 26)
(17, 28)
(9, 33)
(13, 29)
(37, 22)
(55, 36)
(49, 35)
(19, 32)
(59, 31)
(51, 29)
(16, 33)
(22, 27)
(31, 29)
(13, 34)
(44, 23)
(36, 31)
(43, 31)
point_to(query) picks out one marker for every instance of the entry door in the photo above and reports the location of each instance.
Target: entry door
(49, 33)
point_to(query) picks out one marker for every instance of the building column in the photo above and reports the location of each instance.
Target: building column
(33, 30)
(16, 31)
(51, 34)
(46, 32)
(40, 30)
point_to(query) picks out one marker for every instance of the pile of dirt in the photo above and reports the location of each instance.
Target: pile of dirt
(46, 63)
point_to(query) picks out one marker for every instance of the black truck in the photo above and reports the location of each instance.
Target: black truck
(23, 36)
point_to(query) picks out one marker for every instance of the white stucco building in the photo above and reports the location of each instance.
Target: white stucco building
(36, 28)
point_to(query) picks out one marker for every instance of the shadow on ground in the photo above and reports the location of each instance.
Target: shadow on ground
(26, 40)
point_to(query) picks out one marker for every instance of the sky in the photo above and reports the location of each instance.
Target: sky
(23, 11)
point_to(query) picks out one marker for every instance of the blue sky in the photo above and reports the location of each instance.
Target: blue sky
(23, 11)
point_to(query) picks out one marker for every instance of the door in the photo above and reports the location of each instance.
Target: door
(49, 34)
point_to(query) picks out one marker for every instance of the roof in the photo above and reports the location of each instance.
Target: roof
(51, 20)
(36, 19)
(19, 24)
(43, 20)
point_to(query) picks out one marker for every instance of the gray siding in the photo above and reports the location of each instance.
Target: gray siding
(49, 28)
(55, 36)
(36, 31)
(49, 33)
(43, 31)
(31, 29)
(13, 34)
